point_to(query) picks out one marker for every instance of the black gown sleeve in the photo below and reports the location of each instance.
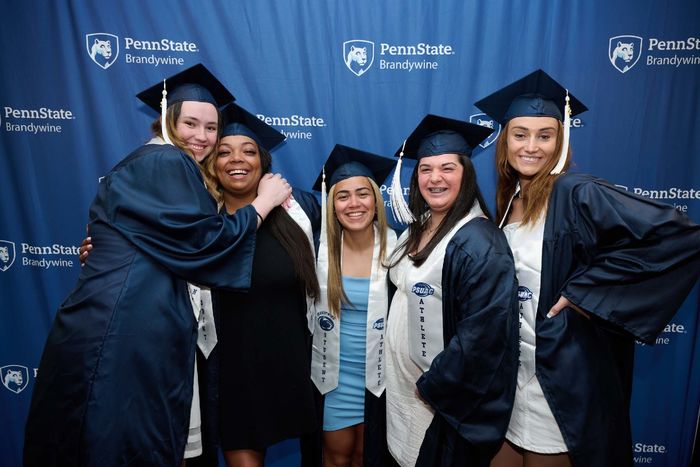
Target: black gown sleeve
(160, 204)
(638, 258)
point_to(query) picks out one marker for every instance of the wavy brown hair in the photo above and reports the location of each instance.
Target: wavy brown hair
(336, 293)
(171, 116)
(540, 187)
(285, 230)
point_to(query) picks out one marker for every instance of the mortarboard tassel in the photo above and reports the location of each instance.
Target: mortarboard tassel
(322, 257)
(163, 110)
(565, 140)
(323, 237)
(399, 207)
(324, 208)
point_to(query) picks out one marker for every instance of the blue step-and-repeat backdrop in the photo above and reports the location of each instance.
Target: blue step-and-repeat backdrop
(361, 73)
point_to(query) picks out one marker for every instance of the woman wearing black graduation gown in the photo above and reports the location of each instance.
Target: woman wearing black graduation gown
(598, 268)
(451, 329)
(115, 381)
(265, 394)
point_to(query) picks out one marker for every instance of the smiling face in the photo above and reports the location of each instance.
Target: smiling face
(354, 203)
(439, 181)
(238, 166)
(531, 142)
(197, 127)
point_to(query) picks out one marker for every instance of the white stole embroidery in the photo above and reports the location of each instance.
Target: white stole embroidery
(200, 297)
(424, 301)
(325, 359)
(377, 308)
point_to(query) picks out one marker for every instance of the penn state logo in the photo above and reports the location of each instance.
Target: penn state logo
(488, 122)
(379, 324)
(524, 294)
(326, 323)
(103, 48)
(15, 377)
(7, 254)
(358, 55)
(422, 289)
(624, 52)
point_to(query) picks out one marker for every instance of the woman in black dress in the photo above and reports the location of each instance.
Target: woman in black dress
(265, 391)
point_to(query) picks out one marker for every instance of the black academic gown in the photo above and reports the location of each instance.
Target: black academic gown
(114, 385)
(628, 261)
(471, 383)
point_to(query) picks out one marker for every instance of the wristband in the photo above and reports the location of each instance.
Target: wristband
(259, 217)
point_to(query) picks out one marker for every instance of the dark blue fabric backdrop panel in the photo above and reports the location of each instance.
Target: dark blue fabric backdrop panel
(69, 114)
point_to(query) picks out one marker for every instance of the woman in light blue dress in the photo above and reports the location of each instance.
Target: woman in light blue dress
(348, 326)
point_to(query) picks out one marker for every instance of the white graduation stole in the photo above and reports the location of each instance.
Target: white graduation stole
(377, 308)
(424, 300)
(526, 244)
(323, 324)
(325, 358)
(299, 216)
(200, 297)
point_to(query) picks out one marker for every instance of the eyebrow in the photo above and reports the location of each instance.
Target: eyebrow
(191, 117)
(444, 164)
(244, 144)
(348, 190)
(519, 127)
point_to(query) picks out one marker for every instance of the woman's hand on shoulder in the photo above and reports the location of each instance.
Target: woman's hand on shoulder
(273, 190)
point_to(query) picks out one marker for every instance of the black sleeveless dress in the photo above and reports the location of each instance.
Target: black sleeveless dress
(265, 391)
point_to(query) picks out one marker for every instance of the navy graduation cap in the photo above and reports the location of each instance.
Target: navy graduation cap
(535, 95)
(238, 121)
(196, 83)
(437, 135)
(346, 162)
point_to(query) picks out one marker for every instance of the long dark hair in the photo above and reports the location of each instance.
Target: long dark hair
(468, 193)
(292, 238)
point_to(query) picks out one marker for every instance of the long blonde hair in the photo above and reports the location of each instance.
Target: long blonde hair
(336, 293)
(171, 116)
(540, 187)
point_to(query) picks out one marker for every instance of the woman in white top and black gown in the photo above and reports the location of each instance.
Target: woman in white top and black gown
(452, 326)
(598, 267)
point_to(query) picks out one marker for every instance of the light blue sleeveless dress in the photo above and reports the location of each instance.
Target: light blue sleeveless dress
(345, 405)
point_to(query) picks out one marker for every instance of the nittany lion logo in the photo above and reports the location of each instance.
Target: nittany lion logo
(325, 323)
(15, 377)
(358, 55)
(488, 122)
(624, 52)
(7, 255)
(524, 294)
(103, 48)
